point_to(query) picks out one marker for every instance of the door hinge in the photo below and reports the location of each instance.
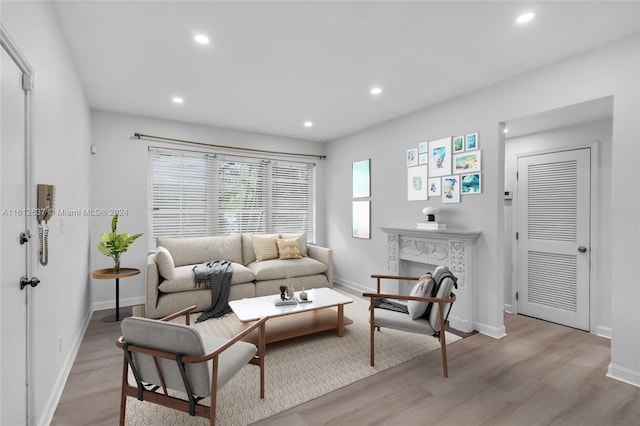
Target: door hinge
(516, 295)
(517, 175)
(516, 235)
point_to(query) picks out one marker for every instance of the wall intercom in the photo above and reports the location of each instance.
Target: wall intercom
(46, 209)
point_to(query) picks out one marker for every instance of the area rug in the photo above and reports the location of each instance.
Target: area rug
(296, 371)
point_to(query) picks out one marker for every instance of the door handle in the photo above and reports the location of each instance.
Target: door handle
(24, 281)
(582, 249)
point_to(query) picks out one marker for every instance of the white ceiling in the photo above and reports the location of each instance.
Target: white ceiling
(271, 66)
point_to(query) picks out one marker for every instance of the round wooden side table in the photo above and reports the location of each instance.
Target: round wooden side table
(108, 274)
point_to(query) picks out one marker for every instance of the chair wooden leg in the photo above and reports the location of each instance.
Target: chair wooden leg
(261, 353)
(443, 341)
(214, 392)
(371, 333)
(123, 385)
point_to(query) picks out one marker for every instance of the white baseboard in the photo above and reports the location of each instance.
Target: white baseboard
(52, 403)
(624, 375)
(461, 325)
(491, 331)
(603, 332)
(132, 301)
(508, 308)
(353, 286)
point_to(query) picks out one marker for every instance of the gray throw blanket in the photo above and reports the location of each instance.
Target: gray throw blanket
(216, 276)
(390, 305)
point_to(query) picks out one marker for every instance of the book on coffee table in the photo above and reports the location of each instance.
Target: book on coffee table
(280, 302)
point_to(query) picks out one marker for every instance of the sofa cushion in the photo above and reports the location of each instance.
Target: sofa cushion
(190, 251)
(183, 278)
(302, 239)
(288, 249)
(248, 254)
(275, 268)
(264, 245)
(164, 262)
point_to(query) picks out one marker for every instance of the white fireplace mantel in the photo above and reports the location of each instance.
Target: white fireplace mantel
(451, 248)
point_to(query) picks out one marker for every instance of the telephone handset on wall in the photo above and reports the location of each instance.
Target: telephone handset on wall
(46, 209)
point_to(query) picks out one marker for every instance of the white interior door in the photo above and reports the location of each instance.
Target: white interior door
(14, 250)
(554, 199)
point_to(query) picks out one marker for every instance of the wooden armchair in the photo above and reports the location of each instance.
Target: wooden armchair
(432, 325)
(165, 355)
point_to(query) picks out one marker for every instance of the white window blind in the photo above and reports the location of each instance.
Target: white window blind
(198, 194)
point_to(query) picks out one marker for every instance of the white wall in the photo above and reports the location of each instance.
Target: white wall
(610, 70)
(119, 180)
(568, 137)
(62, 139)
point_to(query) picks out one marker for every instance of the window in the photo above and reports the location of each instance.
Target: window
(197, 194)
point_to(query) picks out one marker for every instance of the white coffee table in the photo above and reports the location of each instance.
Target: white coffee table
(290, 321)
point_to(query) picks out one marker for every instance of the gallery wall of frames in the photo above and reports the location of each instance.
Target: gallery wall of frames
(446, 168)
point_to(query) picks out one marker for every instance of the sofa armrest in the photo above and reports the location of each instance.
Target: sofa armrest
(324, 255)
(152, 283)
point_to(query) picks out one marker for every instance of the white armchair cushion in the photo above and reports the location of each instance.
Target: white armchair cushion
(385, 318)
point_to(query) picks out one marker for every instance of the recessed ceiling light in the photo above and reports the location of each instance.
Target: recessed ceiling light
(308, 124)
(202, 39)
(525, 17)
(376, 91)
(177, 100)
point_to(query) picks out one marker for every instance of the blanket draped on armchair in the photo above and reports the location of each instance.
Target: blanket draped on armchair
(216, 276)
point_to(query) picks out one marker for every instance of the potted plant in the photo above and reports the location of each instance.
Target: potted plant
(114, 244)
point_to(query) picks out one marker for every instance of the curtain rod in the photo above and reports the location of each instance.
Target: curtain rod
(161, 138)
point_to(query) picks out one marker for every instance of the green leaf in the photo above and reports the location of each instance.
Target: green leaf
(113, 244)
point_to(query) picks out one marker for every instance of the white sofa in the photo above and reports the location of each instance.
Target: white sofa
(170, 284)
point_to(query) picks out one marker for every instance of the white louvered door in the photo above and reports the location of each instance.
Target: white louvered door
(554, 198)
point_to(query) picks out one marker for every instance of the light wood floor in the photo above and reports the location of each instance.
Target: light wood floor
(541, 373)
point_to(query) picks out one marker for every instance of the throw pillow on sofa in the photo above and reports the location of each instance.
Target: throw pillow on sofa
(264, 246)
(302, 241)
(164, 262)
(289, 248)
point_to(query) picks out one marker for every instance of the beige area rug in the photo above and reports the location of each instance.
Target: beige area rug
(296, 371)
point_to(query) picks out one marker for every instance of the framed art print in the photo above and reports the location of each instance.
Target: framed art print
(458, 144)
(412, 157)
(361, 219)
(423, 158)
(361, 179)
(471, 183)
(440, 157)
(422, 148)
(451, 189)
(467, 162)
(471, 142)
(417, 185)
(434, 186)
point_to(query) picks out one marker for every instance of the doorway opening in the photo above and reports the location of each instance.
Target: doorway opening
(562, 196)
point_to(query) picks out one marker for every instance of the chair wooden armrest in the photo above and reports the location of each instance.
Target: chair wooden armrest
(206, 357)
(186, 312)
(419, 299)
(379, 277)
